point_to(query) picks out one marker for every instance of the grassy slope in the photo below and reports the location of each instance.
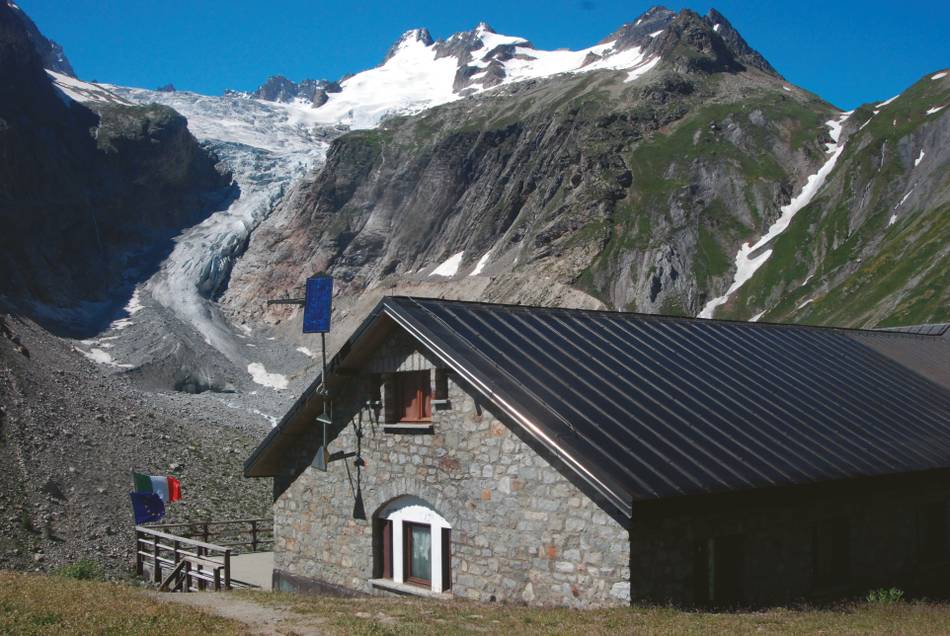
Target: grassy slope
(32, 604)
(908, 261)
(39, 605)
(405, 616)
(661, 167)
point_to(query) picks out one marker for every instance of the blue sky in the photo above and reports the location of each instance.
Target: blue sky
(849, 52)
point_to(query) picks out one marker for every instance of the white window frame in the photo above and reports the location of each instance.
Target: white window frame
(414, 510)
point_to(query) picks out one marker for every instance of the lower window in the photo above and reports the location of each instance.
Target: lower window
(412, 544)
(418, 553)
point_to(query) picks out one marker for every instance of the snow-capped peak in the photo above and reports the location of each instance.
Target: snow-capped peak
(418, 73)
(408, 39)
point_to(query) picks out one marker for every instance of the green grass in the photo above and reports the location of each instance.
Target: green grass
(909, 260)
(36, 605)
(425, 617)
(84, 570)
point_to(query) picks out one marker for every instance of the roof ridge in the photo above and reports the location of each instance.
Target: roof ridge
(883, 331)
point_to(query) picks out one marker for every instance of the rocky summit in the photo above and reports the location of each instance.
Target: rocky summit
(667, 168)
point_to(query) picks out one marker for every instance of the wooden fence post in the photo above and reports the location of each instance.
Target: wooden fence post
(138, 553)
(253, 535)
(227, 570)
(156, 564)
(201, 582)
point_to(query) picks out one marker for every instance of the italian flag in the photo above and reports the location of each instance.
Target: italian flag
(166, 487)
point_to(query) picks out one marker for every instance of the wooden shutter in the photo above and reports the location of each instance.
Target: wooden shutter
(387, 549)
(446, 559)
(415, 396)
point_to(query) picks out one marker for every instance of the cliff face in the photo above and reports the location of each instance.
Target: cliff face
(103, 188)
(873, 248)
(633, 194)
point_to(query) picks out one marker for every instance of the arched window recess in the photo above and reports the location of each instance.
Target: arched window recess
(412, 545)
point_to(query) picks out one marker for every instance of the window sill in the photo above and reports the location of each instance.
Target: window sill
(408, 426)
(407, 590)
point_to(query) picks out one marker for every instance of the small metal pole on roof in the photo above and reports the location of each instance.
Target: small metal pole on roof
(323, 351)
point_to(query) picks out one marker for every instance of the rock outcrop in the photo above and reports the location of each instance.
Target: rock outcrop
(104, 189)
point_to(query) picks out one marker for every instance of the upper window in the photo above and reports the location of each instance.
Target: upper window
(413, 396)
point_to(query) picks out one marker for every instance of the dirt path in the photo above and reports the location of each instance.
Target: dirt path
(260, 620)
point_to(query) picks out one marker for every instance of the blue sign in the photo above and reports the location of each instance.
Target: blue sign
(317, 304)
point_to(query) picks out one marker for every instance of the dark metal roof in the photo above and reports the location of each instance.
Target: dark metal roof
(931, 329)
(648, 407)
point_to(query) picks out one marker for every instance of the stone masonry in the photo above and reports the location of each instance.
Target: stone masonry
(521, 531)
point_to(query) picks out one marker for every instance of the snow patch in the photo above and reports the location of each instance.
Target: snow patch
(756, 317)
(939, 75)
(135, 304)
(480, 265)
(892, 220)
(80, 91)
(260, 375)
(307, 352)
(935, 109)
(655, 33)
(450, 266)
(904, 198)
(747, 261)
(716, 27)
(787, 88)
(641, 69)
(102, 357)
(919, 158)
(810, 300)
(888, 101)
(121, 324)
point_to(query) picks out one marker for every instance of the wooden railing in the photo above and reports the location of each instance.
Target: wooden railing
(189, 561)
(196, 563)
(244, 535)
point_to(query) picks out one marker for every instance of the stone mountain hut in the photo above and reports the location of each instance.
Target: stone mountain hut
(593, 458)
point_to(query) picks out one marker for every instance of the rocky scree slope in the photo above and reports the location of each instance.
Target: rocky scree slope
(106, 188)
(589, 186)
(70, 433)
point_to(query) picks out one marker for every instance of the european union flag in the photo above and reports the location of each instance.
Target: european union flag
(147, 506)
(317, 304)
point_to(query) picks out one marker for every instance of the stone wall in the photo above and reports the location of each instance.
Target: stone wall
(778, 532)
(521, 530)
